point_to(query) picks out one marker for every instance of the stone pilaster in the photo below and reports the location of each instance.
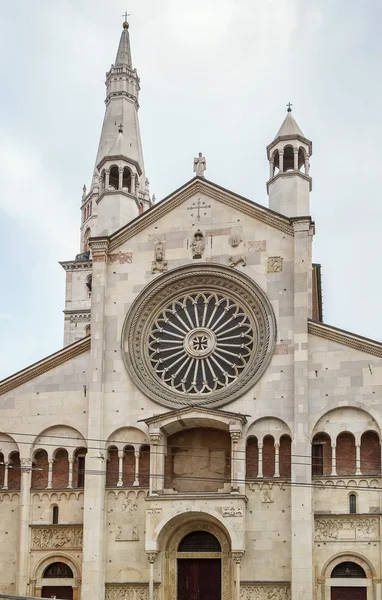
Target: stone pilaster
(302, 522)
(24, 520)
(93, 582)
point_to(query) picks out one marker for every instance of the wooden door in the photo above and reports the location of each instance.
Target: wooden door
(348, 593)
(61, 592)
(199, 579)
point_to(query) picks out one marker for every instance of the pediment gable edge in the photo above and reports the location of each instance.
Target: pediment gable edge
(346, 338)
(245, 206)
(44, 365)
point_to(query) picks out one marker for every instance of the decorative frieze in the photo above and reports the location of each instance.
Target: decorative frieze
(264, 591)
(256, 246)
(345, 528)
(129, 591)
(58, 536)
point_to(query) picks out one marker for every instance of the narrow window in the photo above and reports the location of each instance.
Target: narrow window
(81, 472)
(317, 459)
(352, 503)
(55, 515)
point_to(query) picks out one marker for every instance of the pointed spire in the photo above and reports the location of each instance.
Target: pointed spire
(124, 51)
(289, 126)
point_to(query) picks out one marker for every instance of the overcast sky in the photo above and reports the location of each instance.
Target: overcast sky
(216, 76)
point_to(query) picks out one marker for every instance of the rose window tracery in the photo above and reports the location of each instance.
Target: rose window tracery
(198, 335)
(200, 343)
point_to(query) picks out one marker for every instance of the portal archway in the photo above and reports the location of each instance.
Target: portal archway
(348, 576)
(197, 551)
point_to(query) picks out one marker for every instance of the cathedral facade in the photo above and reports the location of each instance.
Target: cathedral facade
(203, 434)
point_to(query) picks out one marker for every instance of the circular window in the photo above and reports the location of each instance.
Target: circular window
(198, 336)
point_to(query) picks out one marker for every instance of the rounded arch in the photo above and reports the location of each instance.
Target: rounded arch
(328, 420)
(127, 436)
(59, 436)
(264, 426)
(7, 445)
(44, 563)
(126, 178)
(355, 557)
(301, 157)
(171, 529)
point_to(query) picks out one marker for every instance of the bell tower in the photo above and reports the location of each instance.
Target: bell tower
(289, 183)
(119, 188)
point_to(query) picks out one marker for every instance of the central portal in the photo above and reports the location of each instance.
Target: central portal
(199, 579)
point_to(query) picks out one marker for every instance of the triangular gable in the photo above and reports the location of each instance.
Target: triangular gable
(183, 412)
(346, 338)
(199, 185)
(44, 365)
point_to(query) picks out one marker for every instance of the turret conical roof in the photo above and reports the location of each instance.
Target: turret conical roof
(289, 127)
(124, 51)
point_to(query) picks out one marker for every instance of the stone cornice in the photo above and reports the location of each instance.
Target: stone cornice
(210, 189)
(114, 157)
(44, 365)
(290, 174)
(289, 137)
(346, 338)
(122, 192)
(75, 265)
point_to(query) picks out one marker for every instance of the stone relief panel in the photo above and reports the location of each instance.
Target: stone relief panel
(356, 528)
(127, 533)
(63, 536)
(232, 511)
(255, 591)
(129, 591)
(275, 264)
(237, 259)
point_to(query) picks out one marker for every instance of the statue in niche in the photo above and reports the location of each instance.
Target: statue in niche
(200, 165)
(198, 245)
(159, 264)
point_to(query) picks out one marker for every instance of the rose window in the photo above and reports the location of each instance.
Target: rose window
(198, 335)
(200, 343)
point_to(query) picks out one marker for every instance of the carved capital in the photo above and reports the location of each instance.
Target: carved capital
(237, 556)
(26, 464)
(235, 436)
(151, 557)
(155, 438)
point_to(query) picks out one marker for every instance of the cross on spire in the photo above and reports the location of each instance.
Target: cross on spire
(289, 107)
(126, 15)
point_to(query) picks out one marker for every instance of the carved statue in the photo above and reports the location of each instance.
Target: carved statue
(198, 245)
(159, 264)
(200, 165)
(84, 191)
(234, 239)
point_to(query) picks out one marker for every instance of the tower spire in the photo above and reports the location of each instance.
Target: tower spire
(119, 181)
(289, 183)
(124, 51)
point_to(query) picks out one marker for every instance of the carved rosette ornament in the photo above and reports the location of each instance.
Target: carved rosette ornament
(202, 335)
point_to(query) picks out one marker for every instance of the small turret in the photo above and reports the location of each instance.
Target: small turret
(289, 183)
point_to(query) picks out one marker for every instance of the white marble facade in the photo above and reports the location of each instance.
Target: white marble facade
(108, 460)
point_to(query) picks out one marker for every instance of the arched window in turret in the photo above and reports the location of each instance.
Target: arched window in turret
(301, 158)
(103, 179)
(288, 158)
(114, 178)
(126, 182)
(275, 165)
(86, 239)
(88, 284)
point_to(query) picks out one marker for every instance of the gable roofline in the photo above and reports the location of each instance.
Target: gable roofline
(186, 191)
(44, 365)
(346, 338)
